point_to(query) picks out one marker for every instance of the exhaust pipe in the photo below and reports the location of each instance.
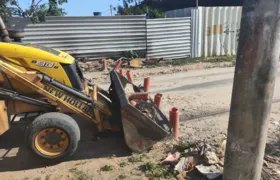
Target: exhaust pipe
(4, 31)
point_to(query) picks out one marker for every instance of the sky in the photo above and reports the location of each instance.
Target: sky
(82, 7)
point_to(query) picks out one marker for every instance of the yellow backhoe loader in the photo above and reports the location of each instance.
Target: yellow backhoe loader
(37, 79)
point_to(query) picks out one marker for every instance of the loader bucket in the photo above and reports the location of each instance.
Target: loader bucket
(143, 124)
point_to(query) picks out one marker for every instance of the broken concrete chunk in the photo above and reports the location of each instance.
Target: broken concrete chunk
(211, 172)
(222, 160)
(222, 150)
(182, 165)
(211, 158)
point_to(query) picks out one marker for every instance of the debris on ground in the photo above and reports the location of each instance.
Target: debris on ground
(185, 164)
(211, 172)
(276, 123)
(182, 175)
(182, 165)
(196, 155)
(211, 158)
(171, 158)
(90, 66)
(222, 150)
(271, 165)
(136, 63)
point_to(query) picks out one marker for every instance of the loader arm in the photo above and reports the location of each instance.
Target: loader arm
(64, 98)
(35, 78)
(143, 125)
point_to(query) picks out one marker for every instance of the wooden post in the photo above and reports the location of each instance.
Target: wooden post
(255, 72)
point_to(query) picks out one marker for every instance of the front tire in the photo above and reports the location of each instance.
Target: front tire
(53, 135)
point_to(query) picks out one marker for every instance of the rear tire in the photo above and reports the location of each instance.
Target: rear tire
(53, 135)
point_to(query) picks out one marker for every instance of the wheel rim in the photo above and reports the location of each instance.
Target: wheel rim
(51, 141)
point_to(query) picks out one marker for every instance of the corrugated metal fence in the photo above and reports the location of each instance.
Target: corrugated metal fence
(215, 30)
(91, 37)
(218, 30)
(169, 38)
(210, 31)
(103, 37)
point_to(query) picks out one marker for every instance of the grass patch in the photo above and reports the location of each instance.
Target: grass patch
(37, 178)
(107, 168)
(79, 175)
(183, 145)
(136, 158)
(156, 171)
(123, 164)
(48, 177)
(184, 61)
(26, 178)
(122, 176)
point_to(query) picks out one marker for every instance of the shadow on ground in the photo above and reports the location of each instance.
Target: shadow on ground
(15, 155)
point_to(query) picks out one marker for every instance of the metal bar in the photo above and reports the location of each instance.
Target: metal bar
(4, 93)
(255, 73)
(61, 86)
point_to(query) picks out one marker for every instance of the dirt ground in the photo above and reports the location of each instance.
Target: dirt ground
(201, 92)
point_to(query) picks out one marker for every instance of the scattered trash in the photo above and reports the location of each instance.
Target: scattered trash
(275, 123)
(191, 151)
(211, 172)
(136, 63)
(203, 148)
(182, 165)
(151, 61)
(211, 158)
(171, 158)
(190, 163)
(185, 164)
(182, 175)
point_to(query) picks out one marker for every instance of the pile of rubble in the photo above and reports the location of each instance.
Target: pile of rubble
(203, 161)
(109, 64)
(92, 66)
(200, 159)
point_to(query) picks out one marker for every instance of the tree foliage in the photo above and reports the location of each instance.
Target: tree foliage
(4, 10)
(139, 7)
(37, 11)
(166, 5)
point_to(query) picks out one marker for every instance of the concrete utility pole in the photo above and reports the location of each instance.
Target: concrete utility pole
(255, 72)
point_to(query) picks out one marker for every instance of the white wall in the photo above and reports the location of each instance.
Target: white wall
(218, 30)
